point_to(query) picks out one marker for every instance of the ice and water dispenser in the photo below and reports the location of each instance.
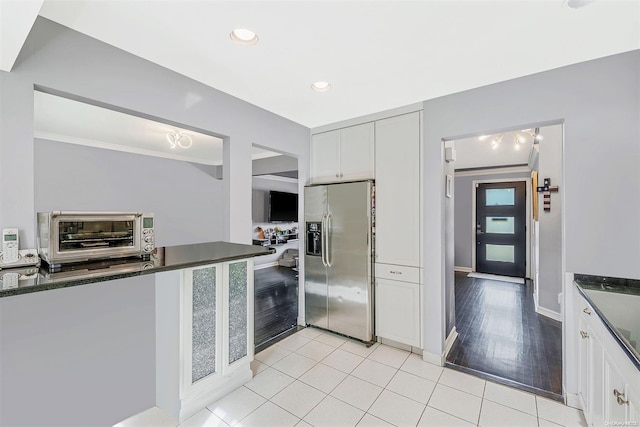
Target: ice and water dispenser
(314, 239)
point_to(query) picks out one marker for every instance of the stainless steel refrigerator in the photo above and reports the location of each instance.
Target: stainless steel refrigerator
(339, 224)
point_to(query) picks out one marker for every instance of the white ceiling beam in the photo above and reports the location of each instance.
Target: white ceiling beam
(16, 19)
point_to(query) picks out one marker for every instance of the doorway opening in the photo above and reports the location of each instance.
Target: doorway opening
(275, 213)
(506, 331)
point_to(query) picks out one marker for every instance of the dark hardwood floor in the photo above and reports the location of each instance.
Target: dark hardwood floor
(276, 304)
(501, 336)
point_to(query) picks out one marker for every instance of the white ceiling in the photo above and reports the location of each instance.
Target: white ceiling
(474, 153)
(66, 120)
(377, 55)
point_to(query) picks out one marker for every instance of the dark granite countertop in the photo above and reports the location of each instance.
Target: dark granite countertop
(163, 259)
(614, 299)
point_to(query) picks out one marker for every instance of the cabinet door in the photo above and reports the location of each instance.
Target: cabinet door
(596, 376)
(201, 319)
(398, 311)
(398, 190)
(239, 300)
(325, 162)
(615, 414)
(583, 363)
(356, 152)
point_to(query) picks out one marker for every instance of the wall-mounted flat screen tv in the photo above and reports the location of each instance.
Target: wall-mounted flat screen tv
(283, 207)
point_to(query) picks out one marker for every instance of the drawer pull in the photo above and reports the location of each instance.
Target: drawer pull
(620, 397)
(586, 311)
(395, 272)
(584, 334)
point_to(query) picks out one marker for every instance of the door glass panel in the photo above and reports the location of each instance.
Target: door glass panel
(237, 311)
(500, 196)
(203, 324)
(500, 225)
(501, 253)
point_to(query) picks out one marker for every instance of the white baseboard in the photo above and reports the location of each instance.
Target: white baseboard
(549, 313)
(463, 269)
(573, 400)
(261, 266)
(434, 359)
(449, 342)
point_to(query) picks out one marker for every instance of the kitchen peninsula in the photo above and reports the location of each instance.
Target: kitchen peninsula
(177, 328)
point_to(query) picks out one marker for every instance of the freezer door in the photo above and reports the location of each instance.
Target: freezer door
(349, 255)
(315, 273)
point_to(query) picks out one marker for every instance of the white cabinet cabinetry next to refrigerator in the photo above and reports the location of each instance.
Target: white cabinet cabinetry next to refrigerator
(398, 282)
(343, 155)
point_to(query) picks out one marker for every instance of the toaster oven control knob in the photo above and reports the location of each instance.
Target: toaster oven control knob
(148, 248)
(148, 239)
(147, 231)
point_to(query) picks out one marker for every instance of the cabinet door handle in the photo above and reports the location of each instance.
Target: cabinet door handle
(337, 175)
(586, 311)
(584, 334)
(620, 397)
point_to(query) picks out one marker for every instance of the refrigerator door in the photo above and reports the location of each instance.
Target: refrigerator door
(315, 275)
(349, 257)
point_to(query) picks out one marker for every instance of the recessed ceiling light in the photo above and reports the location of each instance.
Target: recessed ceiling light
(321, 86)
(244, 36)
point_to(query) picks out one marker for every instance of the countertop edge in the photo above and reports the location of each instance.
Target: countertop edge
(614, 332)
(80, 281)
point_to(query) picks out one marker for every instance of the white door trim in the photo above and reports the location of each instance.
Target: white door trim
(474, 184)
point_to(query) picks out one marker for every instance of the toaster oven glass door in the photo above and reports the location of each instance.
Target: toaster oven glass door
(76, 235)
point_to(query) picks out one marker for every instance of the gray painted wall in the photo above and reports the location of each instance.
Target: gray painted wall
(81, 356)
(187, 201)
(599, 104)
(550, 223)
(464, 213)
(61, 59)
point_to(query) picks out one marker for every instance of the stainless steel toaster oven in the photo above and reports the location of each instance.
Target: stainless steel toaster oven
(69, 237)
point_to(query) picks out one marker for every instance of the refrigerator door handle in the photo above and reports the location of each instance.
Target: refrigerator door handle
(323, 233)
(328, 249)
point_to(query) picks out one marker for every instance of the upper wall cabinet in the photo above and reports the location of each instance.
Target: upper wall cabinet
(343, 155)
(398, 190)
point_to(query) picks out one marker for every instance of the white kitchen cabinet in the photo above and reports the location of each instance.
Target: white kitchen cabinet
(608, 382)
(398, 311)
(398, 190)
(204, 335)
(343, 155)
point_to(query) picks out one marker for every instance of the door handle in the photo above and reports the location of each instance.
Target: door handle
(584, 334)
(328, 251)
(620, 397)
(323, 231)
(586, 311)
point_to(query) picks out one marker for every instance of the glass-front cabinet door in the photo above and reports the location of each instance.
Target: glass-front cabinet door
(239, 302)
(217, 326)
(202, 318)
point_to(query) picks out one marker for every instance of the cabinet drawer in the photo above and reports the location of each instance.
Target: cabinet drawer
(398, 272)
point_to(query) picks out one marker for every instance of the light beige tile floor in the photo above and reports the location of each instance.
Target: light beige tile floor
(319, 379)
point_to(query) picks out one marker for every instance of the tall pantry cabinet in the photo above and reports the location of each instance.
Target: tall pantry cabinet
(387, 150)
(398, 289)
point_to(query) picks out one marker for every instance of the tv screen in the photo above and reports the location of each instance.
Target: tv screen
(283, 207)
